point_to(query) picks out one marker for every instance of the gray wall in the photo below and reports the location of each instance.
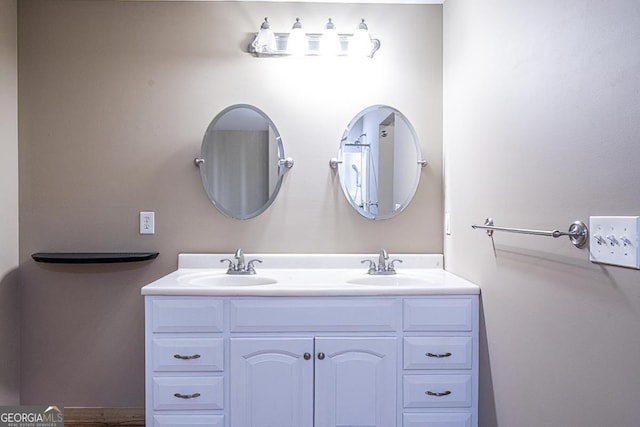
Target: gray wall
(114, 100)
(9, 314)
(541, 128)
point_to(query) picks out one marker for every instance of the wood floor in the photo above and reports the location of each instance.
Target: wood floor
(103, 417)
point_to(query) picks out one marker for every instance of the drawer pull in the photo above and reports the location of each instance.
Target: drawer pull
(187, 396)
(179, 356)
(439, 356)
(437, 394)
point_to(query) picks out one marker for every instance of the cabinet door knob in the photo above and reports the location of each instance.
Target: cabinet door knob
(307, 356)
(447, 354)
(321, 356)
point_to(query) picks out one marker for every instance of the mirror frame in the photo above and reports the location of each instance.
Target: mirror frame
(340, 164)
(282, 162)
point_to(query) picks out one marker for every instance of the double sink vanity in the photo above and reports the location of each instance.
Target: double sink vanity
(311, 340)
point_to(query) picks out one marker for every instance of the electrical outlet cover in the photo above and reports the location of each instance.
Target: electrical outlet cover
(147, 223)
(614, 240)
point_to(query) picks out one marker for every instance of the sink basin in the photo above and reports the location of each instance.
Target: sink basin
(391, 280)
(229, 280)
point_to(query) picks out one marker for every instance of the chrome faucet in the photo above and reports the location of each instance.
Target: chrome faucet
(239, 267)
(384, 267)
(382, 259)
(240, 259)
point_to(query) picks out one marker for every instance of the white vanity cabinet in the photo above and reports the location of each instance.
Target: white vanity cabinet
(300, 361)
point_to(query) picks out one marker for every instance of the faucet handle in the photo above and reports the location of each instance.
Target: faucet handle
(250, 267)
(230, 267)
(391, 266)
(372, 265)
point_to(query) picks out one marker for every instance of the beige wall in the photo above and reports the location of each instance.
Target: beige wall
(9, 314)
(114, 100)
(541, 128)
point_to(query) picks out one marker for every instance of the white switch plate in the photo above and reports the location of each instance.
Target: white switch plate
(147, 223)
(614, 240)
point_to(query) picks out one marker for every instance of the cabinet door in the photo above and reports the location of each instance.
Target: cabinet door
(271, 382)
(355, 382)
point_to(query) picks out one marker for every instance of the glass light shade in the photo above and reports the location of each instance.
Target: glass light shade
(265, 41)
(361, 44)
(297, 43)
(330, 40)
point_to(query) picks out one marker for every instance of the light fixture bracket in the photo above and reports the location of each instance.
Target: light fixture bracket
(313, 48)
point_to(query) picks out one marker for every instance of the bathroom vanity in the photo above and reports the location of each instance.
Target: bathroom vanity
(311, 341)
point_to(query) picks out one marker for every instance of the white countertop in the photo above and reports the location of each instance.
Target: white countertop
(311, 275)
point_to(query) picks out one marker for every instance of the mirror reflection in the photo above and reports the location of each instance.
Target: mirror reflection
(379, 162)
(242, 161)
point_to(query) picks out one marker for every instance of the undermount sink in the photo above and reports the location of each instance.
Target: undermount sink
(229, 280)
(390, 280)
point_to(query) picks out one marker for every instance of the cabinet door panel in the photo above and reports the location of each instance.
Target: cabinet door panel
(201, 392)
(438, 352)
(437, 420)
(188, 420)
(437, 391)
(188, 354)
(271, 382)
(355, 382)
(185, 314)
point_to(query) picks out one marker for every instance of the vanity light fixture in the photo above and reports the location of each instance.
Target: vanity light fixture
(298, 43)
(361, 43)
(265, 41)
(330, 40)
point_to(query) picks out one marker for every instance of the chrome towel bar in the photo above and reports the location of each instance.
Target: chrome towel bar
(578, 232)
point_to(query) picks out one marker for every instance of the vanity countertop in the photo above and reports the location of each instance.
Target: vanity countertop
(310, 275)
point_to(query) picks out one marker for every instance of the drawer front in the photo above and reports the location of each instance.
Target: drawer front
(437, 353)
(186, 315)
(437, 391)
(202, 392)
(188, 420)
(311, 315)
(188, 354)
(437, 420)
(438, 314)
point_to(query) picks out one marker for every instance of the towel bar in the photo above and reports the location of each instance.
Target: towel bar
(578, 232)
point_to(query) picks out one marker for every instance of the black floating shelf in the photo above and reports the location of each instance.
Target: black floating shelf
(92, 257)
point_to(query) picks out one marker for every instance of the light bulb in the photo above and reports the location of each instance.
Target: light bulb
(330, 40)
(361, 44)
(297, 42)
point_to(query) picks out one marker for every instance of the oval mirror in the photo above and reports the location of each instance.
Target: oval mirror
(379, 162)
(242, 161)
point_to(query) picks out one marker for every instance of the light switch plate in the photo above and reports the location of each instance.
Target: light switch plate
(614, 240)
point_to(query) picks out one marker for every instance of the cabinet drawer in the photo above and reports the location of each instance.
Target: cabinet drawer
(438, 314)
(188, 420)
(186, 315)
(437, 352)
(313, 314)
(432, 391)
(188, 354)
(202, 392)
(437, 420)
